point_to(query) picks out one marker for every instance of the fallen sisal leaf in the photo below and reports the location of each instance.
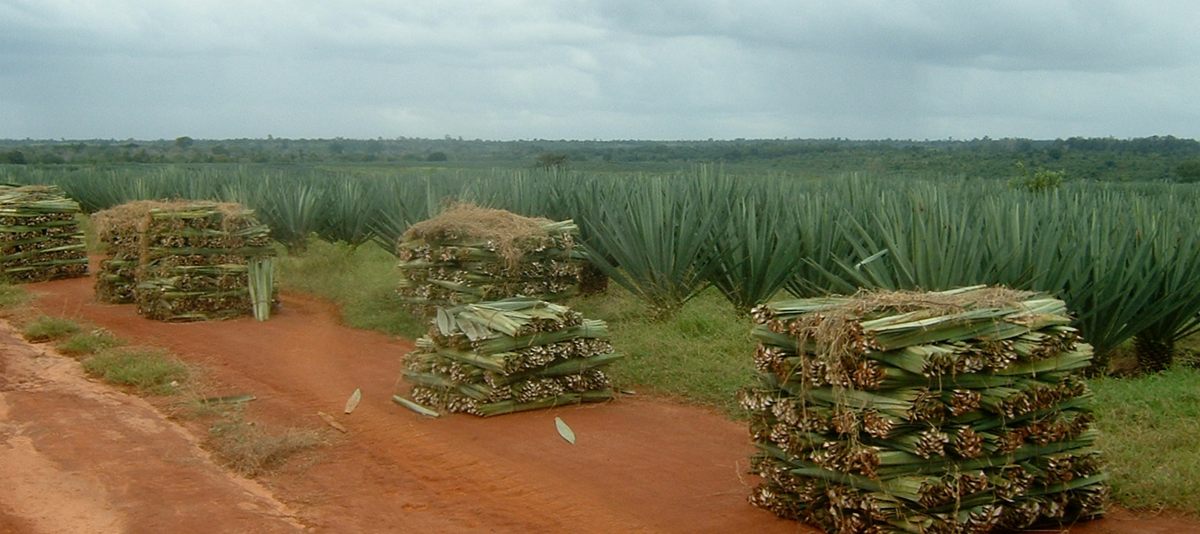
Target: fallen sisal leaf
(332, 422)
(564, 430)
(353, 401)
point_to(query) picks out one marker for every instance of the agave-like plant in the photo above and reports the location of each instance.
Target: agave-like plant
(757, 250)
(292, 210)
(654, 235)
(349, 209)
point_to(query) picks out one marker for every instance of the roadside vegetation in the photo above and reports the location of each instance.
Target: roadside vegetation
(150, 371)
(701, 355)
(46, 328)
(252, 450)
(246, 447)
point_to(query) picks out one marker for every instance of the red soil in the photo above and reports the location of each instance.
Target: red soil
(640, 464)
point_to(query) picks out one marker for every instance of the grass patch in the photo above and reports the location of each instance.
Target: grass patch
(46, 328)
(88, 343)
(1149, 426)
(150, 371)
(361, 281)
(251, 450)
(702, 354)
(12, 296)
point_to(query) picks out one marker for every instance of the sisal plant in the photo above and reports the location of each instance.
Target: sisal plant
(40, 238)
(511, 355)
(201, 261)
(955, 411)
(472, 254)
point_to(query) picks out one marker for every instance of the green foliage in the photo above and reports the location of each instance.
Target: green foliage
(757, 250)
(1037, 180)
(654, 236)
(701, 354)
(45, 328)
(293, 211)
(1119, 254)
(150, 371)
(1148, 427)
(13, 157)
(87, 343)
(552, 160)
(349, 207)
(361, 281)
(1188, 171)
(12, 296)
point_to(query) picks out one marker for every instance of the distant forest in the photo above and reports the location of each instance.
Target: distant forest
(1140, 159)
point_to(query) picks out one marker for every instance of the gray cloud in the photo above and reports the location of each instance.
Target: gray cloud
(600, 69)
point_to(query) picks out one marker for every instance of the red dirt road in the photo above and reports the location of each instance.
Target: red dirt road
(78, 456)
(640, 464)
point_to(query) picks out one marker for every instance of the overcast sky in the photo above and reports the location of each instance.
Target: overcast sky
(603, 69)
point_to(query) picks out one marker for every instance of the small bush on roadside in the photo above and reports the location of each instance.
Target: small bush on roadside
(151, 371)
(87, 343)
(251, 450)
(46, 328)
(12, 296)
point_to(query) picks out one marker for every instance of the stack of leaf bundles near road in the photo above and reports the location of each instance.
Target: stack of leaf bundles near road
(120, 229)
(473, 254)
(508, 356)
(39, 236)
(204, 260)
(957, 411)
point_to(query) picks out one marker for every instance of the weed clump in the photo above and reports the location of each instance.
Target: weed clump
(252, 450)
(46, 328)
(149, 370)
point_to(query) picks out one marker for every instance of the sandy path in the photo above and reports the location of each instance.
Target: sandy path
(78, 456)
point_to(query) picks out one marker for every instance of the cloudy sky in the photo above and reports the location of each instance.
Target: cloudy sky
(602, 69)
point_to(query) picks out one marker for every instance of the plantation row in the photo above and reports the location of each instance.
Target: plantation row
(1123, 257)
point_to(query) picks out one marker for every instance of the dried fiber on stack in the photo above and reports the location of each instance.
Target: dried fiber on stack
(198, 259)
(511, 355)
(39, 236)
(956, 411)
(473, 254)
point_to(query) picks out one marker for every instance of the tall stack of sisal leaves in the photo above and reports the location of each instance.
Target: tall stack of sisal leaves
(511, 355)
(120, 230)
(198, 262)
(472, 254)
(39, 236)
(956, 411)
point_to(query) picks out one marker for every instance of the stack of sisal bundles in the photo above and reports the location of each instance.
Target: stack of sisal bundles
(507, 356)
(198, 261)
(120, 229)
(472, 254)
(39, 236)
(956, 411)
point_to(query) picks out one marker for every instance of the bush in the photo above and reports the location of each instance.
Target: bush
(1037, 180)
(1188, 171)
(86, 343)
(12, 296)
(149, 370)
(46, 328)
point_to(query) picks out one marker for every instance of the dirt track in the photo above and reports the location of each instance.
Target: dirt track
(640, 464)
